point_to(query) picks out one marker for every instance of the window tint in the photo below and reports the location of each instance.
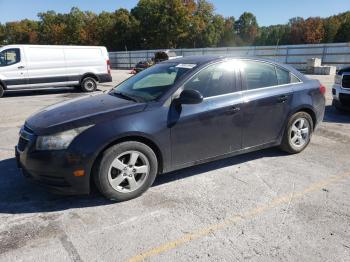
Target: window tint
(214, 80)
(258, 74)
(294, 79)
(282, 76)
(10, 57)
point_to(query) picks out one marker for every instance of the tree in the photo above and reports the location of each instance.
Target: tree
(331, 27)
(2, 34)
(296, 30)
(52, 28)
(163, 23)
(313, 31)
(343, 34)
(228, 37)
(273, 35)
(125, 31)
(247, 27)
(22, 32)
(206, 28)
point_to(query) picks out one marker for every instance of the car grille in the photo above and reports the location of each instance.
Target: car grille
(344, 99)
(346, 81)
(22, 144)
(26, 135)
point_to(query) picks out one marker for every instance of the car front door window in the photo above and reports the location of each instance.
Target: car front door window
(10, 57)
(214, 80)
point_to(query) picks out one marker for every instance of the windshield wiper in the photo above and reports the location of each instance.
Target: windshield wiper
(126, 96)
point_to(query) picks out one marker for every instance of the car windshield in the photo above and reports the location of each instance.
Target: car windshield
(151, 83)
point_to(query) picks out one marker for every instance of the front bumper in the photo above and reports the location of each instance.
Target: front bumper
(54, 170)
(341, 96)
(104, 78)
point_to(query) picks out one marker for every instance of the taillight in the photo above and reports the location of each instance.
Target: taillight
(322, 89)
(109, 67)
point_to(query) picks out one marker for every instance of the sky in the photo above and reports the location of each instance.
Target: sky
(268, 12)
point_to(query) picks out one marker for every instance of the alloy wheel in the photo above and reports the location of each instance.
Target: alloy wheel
(129, 171)
(300, 132)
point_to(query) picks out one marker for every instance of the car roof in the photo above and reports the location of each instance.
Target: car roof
(205, 59)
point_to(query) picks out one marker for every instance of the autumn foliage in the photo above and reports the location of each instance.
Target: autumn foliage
(155, 24)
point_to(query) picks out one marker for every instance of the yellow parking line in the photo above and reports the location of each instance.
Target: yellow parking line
(235, 218)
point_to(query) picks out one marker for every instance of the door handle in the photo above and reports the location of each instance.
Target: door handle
(282, 99)
(233, 110)
(20, 67)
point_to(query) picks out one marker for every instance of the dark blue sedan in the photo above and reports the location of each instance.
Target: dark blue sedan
(173, 115)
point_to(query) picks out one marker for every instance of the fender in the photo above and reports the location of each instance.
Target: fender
(141, 137)
(93, 75)
(3, 84)
(303, 107)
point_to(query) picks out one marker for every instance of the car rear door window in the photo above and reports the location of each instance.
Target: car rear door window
(283, 76)
(215, 80)
(294, 79)
(259, 74)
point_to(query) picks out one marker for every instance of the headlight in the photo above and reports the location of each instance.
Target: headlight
(338, 79)
(59, 141)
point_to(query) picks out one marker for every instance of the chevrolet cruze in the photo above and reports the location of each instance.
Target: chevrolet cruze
(176, 114)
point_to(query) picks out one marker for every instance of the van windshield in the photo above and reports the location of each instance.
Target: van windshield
(151, 83)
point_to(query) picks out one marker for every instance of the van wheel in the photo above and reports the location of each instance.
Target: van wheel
(2, 91)
(126, 171)
(88, 84)
(298, 133)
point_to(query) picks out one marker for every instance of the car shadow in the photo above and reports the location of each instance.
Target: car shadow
(44, 91)
(332, 115)
(19, 195)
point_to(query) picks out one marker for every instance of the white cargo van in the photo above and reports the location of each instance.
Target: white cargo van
(35, 66)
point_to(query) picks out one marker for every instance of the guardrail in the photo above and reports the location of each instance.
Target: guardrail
(296, 55)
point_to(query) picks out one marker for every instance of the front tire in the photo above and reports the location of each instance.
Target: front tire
(126, 171)
(298, 133)
(88, 84)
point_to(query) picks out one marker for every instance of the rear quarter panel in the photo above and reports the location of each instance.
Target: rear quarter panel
(307, 95)
(80, 60)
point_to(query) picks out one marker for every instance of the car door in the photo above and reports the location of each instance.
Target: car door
(13, 67)
(267, 96)
(213, 127)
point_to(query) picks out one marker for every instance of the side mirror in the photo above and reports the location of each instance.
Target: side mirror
(190, 97)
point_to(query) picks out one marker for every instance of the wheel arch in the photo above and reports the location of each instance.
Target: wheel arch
(2, 83)
(309, 110)
(92, 75)
(137, 138)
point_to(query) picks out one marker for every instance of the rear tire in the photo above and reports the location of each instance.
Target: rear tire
(298, 133)
(126, 171)
(88, 84)
(2, 91)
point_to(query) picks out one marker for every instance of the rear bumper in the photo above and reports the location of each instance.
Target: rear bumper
(104, 78)
(54, 170)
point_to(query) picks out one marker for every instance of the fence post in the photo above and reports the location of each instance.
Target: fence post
(129, 59)
(324, 53)
(287, 55)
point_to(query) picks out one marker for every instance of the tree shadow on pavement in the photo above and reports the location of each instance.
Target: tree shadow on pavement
(19, 195)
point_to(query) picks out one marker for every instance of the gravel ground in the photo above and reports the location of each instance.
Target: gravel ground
(261, 206)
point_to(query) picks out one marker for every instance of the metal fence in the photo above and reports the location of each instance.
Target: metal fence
(296, 55)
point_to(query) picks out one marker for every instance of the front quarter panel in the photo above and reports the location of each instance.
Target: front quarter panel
(149, 124)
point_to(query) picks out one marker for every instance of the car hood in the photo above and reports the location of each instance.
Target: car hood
(81, 111)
